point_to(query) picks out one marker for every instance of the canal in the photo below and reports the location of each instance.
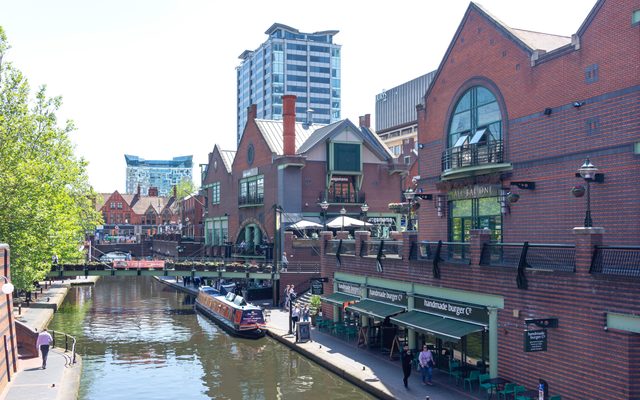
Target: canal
(140, 339)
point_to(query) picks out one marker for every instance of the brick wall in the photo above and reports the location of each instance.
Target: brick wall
(8, 357)
(582, 360)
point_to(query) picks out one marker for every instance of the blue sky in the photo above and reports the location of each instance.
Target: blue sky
(156, 78)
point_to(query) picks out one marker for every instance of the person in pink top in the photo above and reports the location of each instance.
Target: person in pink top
(426, 365)
(43, 343)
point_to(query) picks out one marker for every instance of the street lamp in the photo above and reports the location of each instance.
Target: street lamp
(7, 288)
(364, 208)
(588, 172)
(324, 206)
(342, 214)
(409, 195)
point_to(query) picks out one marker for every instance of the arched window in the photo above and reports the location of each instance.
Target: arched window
(476, 119)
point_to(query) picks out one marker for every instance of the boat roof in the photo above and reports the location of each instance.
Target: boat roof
(237, 302)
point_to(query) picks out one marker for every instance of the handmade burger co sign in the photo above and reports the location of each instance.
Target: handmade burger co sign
(388, 296)
(349, 288)
(447, 308)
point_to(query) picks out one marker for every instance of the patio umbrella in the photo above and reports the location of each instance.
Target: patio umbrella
(304, 224)
(346, 222)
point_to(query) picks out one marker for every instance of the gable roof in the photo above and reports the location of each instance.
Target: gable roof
(227, 157)
(272, 132)
(369, 138)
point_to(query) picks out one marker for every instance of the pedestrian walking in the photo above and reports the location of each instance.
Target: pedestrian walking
(285, 262)
(43, 342)
(406, 358)
(287, 293)
(426, 365)
(295, 315)
(305, 313)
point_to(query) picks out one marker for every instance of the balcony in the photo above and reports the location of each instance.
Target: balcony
(468, 159)
(343, 198)
(249, 201)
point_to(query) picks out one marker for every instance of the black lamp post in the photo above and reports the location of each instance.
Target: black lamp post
(343, 212)
(364, 208)
(588, 172)
(409, 194)
(324, 206)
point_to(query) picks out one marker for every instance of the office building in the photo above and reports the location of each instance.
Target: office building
(161, 174)
(306, 65)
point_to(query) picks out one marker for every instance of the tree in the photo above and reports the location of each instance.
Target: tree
(47, 202)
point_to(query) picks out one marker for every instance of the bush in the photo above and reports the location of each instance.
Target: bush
(314, 304)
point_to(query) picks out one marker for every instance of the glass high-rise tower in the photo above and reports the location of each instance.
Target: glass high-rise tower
(161, 174)
(291, 62)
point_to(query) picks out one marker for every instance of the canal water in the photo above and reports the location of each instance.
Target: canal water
(140, 339)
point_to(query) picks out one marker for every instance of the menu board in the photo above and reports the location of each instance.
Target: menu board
(535, 340)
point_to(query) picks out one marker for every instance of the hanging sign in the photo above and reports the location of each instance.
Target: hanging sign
(317, 287)
(535, 340)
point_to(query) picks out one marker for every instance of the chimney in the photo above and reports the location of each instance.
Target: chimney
(138, 190)
(153, 191)
(252, 112)
(365, 121)
(289, 125)
(175, 191)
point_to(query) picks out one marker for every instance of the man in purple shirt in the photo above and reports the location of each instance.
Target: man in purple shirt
(426, 365)
(43, 343)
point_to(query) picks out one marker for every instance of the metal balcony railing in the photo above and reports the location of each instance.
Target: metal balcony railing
(251, 200)
(373, 248)
(554, 257)
(471, 155)
(343, 198)
(616, 260)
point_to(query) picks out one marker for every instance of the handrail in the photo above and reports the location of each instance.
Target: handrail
(66, 343)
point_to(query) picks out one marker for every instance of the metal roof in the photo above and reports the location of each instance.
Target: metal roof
(227, 157)
(272, 131)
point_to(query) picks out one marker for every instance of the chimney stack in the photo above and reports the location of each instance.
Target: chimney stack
(252, 112)
(365, 121)
(289, 125)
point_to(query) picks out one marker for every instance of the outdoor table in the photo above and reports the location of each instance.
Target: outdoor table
(497, 383)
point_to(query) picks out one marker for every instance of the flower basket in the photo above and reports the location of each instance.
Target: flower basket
(578, 190)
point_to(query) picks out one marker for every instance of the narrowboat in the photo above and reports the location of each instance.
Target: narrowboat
(232, 313)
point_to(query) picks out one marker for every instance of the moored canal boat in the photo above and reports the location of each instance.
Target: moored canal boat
(232, 313)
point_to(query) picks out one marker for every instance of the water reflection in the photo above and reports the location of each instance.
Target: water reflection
(141, 340)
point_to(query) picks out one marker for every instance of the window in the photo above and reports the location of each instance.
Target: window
(475, 131)
(119, 205)
(215, 193)
(251, 190)
(407, 160)
(591, 73)
(112, 205)
(635, 17)
(346, 157)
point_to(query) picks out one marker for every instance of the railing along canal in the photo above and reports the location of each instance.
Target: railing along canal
(69, 343)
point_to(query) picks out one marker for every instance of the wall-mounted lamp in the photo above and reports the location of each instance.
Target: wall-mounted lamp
(548, 111)
(578, 104)
(439, 205)
(506, 198)
(7, 288)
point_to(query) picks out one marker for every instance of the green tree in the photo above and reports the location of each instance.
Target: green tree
(47, 202)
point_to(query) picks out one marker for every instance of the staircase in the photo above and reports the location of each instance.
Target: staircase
(304, 298)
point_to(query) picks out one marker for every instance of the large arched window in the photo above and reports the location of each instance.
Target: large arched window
(475, 130)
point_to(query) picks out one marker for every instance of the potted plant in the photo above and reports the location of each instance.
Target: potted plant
(315, 307)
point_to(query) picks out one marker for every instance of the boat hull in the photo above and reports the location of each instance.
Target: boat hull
(227, 326)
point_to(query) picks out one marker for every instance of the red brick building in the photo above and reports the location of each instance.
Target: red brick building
(523, 288)
(283, 171)
(9, 357)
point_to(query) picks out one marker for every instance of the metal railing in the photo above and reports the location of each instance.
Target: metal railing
(553, 257)
(251, 200)
(456, 252)
(344, 246)
(373, 248)
(69, 343)
(616, 260)
(343, 198)
(472, 155)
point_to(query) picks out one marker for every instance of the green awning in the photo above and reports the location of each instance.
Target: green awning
(375, 309)
(339, 299)
(436, 324)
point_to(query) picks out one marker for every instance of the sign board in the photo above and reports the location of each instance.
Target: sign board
(316, 286)
(388, 296)
(452, 309)
(349, 288)
(535, 340)
(303, 332)
(473, 192)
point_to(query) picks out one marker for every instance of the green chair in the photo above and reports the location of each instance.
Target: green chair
(517, 389)
(351, 332)
(473, 377)
(454, 374)
(339, 329)
(488, 387)
(507, 389)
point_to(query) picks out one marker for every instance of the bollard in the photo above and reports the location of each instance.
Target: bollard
(20, 309)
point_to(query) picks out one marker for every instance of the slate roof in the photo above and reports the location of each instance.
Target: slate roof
(272, 132)
(227, 158)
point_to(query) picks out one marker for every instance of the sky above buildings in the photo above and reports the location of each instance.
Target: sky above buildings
(156, 78)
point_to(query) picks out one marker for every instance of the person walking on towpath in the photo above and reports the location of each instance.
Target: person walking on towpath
(406, 358)
(43, 343)
(426, 365)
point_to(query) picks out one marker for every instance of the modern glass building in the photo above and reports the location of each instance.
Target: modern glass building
(161, 174)
(306, 65)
